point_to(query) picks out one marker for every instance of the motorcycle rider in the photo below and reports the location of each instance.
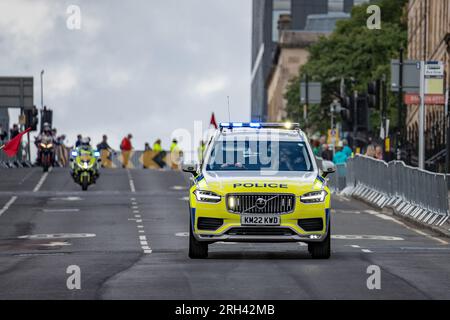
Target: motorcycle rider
(85, 145)
(45, 136)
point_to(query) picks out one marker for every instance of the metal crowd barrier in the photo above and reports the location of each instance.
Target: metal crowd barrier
(337, 180)
(420, 194)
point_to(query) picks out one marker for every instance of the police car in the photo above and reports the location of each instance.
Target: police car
(259, 182)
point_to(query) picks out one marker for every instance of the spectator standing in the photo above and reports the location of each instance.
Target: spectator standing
(160, 154)
(327, 154)
(126, 147)
(346, 149)
(3, 134)
(379, 152)
(78, 142)
(14, 131)
(370, 151)
(340, 157)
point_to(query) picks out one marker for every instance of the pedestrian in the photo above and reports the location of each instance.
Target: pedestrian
(126, 147)
(103, 145)
(327, 154)
(78, 142)
(378, 152)
(340, 157)
(160, 154)
(14, 131)
(147, 147)
(346, 149)
(3, 134)
(316, 147)
(370, 151)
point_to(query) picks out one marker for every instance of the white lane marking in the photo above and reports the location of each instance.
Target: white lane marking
(137, 215)
(60, 210)
(365, 237)
(141, 231)
(355, 246)
(302, 244)
(133, 199)
(130, 178)
(56, 244)
(139, 221)
(66, 199)
(148, 251)
(143, 238)
(42, 180)
(182, 234)
(366, 251)
(134, 207)
(184, 199)
(179, 188)
(58, 236)
(146, 248)
(135, 211)
(8, 204)
(140, 227)
(144, 243)
(385, 217)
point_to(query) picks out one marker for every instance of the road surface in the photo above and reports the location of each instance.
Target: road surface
(127, 235)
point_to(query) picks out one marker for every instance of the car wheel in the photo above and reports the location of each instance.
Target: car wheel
(321, 250)
(197, 249)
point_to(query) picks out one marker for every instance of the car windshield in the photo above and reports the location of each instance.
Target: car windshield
(259, 155)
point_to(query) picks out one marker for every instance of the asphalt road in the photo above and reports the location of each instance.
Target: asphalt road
(127, 235)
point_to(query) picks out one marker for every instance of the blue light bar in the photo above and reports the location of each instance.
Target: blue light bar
(257, 125)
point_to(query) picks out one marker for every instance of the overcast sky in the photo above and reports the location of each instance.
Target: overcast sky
(148, 67)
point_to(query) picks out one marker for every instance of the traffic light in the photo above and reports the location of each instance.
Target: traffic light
(31, 118)
(374, 94)
(46, 117)
(347, 113)
(362, 113)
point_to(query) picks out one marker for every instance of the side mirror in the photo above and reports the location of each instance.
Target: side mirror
(328, 167)
(190, 168)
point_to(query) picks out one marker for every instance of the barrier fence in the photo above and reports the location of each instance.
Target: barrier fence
(419, 194)
(142, 159)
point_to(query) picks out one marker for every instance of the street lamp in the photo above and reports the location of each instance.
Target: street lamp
(42, 89)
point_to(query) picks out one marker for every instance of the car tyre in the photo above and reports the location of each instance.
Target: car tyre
(197, 249)
(321, 250)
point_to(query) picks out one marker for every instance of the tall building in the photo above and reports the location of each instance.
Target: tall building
(429, 39)
(315, 16)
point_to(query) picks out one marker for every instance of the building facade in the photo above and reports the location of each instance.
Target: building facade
(428, 39)
(274, 60)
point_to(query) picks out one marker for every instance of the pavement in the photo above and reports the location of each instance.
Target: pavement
(128, 237)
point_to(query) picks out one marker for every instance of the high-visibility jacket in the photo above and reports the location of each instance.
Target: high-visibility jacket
(173, 146)
(157, 147)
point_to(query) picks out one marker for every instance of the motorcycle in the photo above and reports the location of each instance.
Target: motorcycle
(46, 153)
(84, 165)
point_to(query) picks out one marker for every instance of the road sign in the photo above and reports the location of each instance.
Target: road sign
(411, 75)
(16, 92)
(430, 99)
(314, 92)
(434, 69)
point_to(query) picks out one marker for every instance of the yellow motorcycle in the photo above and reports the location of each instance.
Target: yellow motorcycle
(85, 166)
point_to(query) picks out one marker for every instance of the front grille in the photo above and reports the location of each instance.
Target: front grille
(308, 225)
(274, 203)
(258, 231)
(210, 224)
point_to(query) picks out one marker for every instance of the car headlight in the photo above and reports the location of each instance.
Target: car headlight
(207, 196)
(314, 197)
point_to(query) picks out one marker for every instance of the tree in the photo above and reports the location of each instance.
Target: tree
(351, 51)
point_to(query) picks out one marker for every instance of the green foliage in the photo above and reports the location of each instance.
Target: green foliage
(352, 50)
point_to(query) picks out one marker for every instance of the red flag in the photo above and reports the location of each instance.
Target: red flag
(12, 146)
(213, 121)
